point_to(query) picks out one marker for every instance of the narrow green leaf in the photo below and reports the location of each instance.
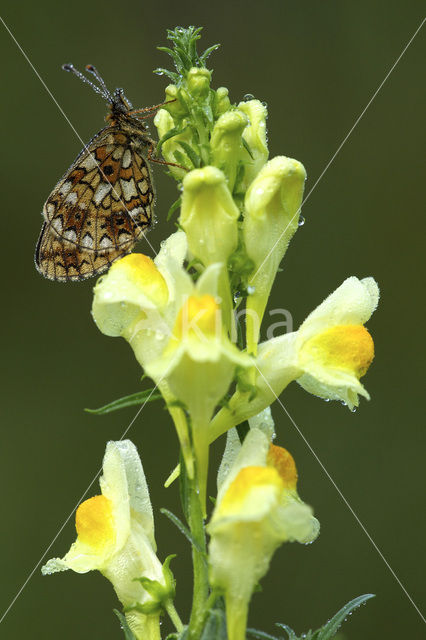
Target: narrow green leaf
(170, 134)
(330, 629)
(192, 155)
(261, 635)
(291, 634)
(247, 148)
(207, 52)
(165, 72)
(141, 397)
(215, 628)
(174, 207)
(182, 528)
(128, 634)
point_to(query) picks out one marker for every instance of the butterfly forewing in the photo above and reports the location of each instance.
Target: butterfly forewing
(99, 209)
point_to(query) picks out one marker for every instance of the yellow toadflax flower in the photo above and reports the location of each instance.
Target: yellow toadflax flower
(198, 365)
(257, 509)
(115, 535)
(332, 349)
(327, 356)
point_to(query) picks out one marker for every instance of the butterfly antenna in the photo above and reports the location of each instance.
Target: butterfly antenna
(95, 72)
(103, 91)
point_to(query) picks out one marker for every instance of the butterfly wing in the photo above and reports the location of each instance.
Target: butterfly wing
(62, 261)
(98, 210)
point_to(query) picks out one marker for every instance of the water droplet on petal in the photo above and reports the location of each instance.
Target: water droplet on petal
(301, 221)
(248, 96)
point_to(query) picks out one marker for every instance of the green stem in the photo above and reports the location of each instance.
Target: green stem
(201, 587)
(174, 616)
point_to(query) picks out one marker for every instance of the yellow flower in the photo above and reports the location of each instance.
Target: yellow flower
(333, 348)
(198, 365)
(327, 356)
(115, 535)
(257, 509)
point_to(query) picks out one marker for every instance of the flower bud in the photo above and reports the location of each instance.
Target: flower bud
(198, 81)
(221, 101)
(209, 216)
(272, 205)
(179, 108)
(165, 123)
(255, 136)
(226, 143)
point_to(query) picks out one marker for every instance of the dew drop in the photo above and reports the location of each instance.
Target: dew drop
(301, 221)
(353, 409)
(248, 96)
(251, 290)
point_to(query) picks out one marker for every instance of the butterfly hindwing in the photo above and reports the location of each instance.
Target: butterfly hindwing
(62, 261)
(98, 210)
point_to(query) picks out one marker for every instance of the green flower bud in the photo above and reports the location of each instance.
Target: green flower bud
(198, 82)
(255, 137)
(221, 101)
(226, 143)
(179, 108)
(209, 216)
(165, 123)
(272, 205)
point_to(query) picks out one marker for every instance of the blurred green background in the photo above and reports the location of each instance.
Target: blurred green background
(316, 64)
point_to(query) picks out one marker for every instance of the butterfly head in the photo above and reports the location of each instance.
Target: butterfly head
(117, 101)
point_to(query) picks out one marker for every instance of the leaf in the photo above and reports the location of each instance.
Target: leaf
(192, 155)
(260, 635)
(174, 207)
(215, 628)
(207, 52)
(247, 148)
(141, 397)
(182, 528)
(180, 158)
(291, 634)
(330, 629)
(165, 72)
(128, 634)
(170, 134)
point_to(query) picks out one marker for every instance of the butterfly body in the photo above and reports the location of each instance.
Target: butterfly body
(103, 203)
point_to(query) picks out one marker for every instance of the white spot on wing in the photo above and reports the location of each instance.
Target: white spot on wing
(127, 158)
(50, 209)
(71, 198)
(89, 163)
(87, 241)
(57, 225)
(118, 152)
(65, 188)
(70, 235)
(105, 243)
(102, 190)
(129, 189)
(143, 186)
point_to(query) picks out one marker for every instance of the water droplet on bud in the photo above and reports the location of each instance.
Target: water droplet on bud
(301, 221)
(248, 96)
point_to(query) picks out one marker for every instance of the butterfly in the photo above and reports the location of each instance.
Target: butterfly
(105, 201)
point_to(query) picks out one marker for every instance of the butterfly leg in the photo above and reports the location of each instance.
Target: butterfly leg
(151, 149)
